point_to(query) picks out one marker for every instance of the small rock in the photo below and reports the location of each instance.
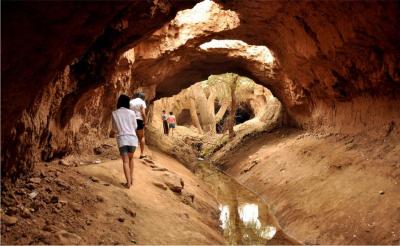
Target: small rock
(20, 192)
(42, 174)
(174, 188)
(65, 237)
(54, 199)
(8, 220)
(11, 211)
(148, 161)
(200, 159)
(30, 186)
(35, 180)
(130, 212)
(99, 198)
(106, 184)
(88, 222)
(64, 163)
(160, 185)
(76, 207)
(381, 192)
(173, 182)
(6, 201)
(249, 166)
(161, 169)
(98, 150)
(133, 241)
(50, 228)
(58, 205)
(120, 219)
(63, 202)
(94, 179)
(26, 213)
(187, 198)
(61, 183)
(38, 204)
(33, 194)
(96, 162)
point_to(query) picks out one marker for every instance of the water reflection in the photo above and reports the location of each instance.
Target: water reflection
(249, 215)
(250, 227)
(244, 217)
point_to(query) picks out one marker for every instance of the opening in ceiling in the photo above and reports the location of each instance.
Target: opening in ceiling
(204, 19)
(258, 53)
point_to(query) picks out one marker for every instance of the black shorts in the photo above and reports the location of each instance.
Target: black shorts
(140, 124)
(126, 149)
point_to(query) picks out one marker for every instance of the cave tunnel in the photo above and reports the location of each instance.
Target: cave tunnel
(243, 113)
(332, 66)
(184, 117)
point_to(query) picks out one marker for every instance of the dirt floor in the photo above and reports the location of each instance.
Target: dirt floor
(83, 202)
(325, 189)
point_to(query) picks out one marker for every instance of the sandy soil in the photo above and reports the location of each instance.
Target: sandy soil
(88, 205)
(325, 189)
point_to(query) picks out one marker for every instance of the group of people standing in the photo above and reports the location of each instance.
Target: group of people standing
(128, 123)
(169, 122)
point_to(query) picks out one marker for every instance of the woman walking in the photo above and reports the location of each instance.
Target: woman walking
(124, 124)
(171, 123)
(138, 105)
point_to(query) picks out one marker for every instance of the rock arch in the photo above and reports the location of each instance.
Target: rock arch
(338, 66)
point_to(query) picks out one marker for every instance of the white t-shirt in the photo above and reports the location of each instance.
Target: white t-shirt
(124, 124)
(136, 104)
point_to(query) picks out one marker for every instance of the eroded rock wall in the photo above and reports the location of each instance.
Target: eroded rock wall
(61, 73)
(332, 58)
(337, 65)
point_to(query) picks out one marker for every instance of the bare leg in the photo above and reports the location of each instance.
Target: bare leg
(131, 165)
(125, 162)
(140, 134)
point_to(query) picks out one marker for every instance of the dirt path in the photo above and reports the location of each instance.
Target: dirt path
(331, 189)
(88, 205)
(163, 216)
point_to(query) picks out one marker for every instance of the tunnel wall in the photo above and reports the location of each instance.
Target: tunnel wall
(337, 67)
(61, 73)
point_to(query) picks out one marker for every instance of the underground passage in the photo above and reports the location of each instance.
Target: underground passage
(194, 122)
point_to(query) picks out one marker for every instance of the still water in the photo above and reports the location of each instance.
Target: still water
(245, 218)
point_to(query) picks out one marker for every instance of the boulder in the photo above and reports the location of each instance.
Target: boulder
(67, 238)
(8, 220)
(173, 182)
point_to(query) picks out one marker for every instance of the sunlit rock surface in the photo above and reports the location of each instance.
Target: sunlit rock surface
(336, 65)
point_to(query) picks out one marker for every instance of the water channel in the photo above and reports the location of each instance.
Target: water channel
(245, 218)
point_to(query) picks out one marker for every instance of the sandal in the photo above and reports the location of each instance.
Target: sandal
(125, 185)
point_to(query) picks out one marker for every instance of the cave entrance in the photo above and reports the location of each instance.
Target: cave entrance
(244, 112)
(209, 107)
(184, 118)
